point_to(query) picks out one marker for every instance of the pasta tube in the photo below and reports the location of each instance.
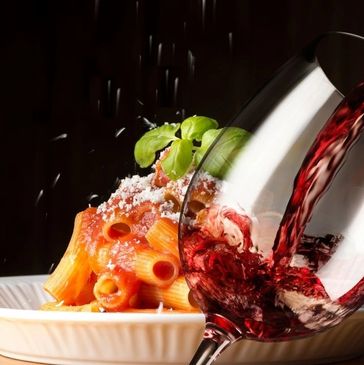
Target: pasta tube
(100, 258)
(116, 290)
(176, 296)
(73, 272)
(171, 196)
(154, 267)
(163, 236)
(202, 195)
(117, 228)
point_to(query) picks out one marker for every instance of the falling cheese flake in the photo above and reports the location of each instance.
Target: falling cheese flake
(55, 181)
(40, 194)
(148, 123)
(61, 136)
(119, 131)
(92, 196)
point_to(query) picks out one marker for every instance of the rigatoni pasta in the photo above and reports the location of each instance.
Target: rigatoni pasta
(117, 228)
(154, 267)
(177, 295)
(73, 273)
(162, 236)
(123, 255)
(114, 291)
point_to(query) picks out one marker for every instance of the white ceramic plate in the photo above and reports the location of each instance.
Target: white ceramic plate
(66, 338)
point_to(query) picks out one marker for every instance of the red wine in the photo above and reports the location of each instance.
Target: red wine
(273, 298)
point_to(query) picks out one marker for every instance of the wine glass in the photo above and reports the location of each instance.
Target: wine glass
(272, 245)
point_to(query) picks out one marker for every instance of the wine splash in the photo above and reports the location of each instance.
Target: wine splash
(275, 297)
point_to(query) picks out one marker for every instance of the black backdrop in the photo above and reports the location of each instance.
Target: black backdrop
(81, 80)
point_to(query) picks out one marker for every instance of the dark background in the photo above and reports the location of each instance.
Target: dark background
(81, 80)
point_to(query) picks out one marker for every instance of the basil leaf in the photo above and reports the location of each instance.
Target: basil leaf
(194, 127)
(178, 160)
(227, 147)
(153, 141)
(206, 142)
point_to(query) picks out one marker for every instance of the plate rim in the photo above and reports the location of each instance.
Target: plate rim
(31, 315)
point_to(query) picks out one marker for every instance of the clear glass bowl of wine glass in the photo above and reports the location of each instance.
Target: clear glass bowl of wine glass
(272, 237)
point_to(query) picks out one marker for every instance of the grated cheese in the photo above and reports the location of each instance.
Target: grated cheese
(135, 190)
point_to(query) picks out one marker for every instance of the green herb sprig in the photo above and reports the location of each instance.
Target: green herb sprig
(188, 142)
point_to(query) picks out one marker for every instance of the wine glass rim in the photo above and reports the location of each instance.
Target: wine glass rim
(310, 50)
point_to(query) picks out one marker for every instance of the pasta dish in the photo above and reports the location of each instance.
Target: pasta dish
(123, 255)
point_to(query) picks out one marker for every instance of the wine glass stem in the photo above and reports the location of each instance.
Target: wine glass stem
(215, 341)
